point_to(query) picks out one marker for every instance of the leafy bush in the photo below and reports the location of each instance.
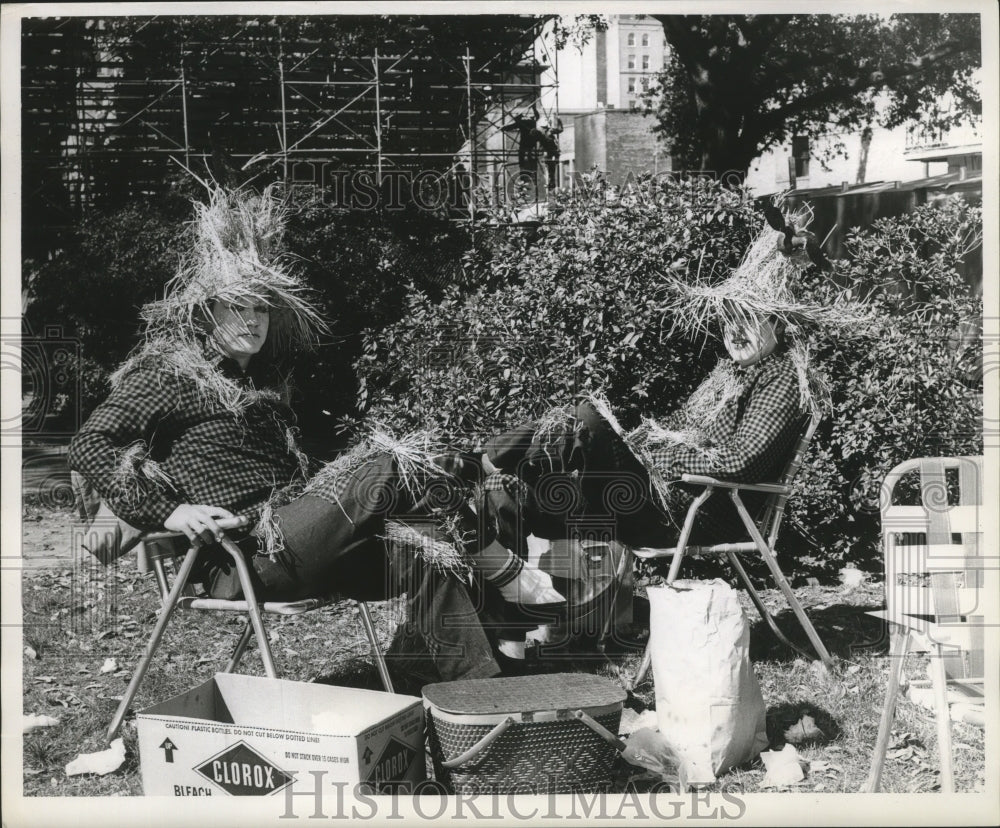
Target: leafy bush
(91, 289)
(915, 390)
(363, 265)
(572, 308)
(576, 309)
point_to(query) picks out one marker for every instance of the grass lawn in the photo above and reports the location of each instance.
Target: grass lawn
(77, 618)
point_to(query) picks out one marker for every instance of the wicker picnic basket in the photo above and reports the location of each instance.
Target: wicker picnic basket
(525, 734)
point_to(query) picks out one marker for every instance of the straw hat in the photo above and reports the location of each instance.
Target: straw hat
(770, 282)
(233, 253)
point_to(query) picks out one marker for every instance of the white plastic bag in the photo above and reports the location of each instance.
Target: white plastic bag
(708, 702)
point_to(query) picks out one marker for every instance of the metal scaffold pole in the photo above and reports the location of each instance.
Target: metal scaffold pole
(184, 112)
(470, 128)
(284, 109)
(378, 119)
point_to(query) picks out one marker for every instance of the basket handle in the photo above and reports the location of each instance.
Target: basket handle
(483, 743)
(501, 728)
(600, 730)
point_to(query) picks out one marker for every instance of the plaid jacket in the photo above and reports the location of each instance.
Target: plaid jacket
(751, 441)
(210, 455)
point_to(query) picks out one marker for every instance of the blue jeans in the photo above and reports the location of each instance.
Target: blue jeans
(338, 549)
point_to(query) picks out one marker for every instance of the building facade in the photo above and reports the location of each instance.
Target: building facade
(599, 100)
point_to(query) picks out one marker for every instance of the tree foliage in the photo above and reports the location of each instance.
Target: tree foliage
(578, 308)
(360, 264)
(915, 390)
(735, 85)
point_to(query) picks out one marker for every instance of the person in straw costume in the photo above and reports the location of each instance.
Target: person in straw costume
(576, 464)
(197, 428)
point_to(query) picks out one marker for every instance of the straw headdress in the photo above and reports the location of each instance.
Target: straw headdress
(233, 253)
(769, 283)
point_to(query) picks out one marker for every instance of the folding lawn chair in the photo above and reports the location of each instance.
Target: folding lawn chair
(763, 534)
(934, 592)
(176, 594)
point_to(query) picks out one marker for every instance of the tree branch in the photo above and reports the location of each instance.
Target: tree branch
(870, 80)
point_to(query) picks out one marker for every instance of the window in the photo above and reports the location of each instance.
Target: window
(645, 61)
(645, 84)
(631, 103)
(800, 152)
(631, 39)
(631, 84)
(645, 40)
(631, 61)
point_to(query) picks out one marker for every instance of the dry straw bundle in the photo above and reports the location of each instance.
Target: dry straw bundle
(440, 545)
(413, 458)
(134, 472)
(184, 356)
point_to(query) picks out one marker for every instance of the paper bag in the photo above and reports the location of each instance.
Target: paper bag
(708, 702)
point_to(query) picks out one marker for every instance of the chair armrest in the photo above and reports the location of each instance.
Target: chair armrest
(150, 537)
(768, 488)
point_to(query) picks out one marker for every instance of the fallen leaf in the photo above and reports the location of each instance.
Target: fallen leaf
(852, 578)
(34, 721)
(102, 762)
(854, 668)
(784, 767)
(30, 652)
(804, 730)
(109, 666)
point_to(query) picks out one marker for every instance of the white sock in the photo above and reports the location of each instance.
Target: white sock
(525, 585)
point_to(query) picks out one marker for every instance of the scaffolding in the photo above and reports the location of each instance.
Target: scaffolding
(269, 105)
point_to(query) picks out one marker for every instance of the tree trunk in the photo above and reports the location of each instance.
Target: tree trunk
(866, 142)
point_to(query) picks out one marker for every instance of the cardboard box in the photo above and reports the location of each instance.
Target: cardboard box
(242, 735)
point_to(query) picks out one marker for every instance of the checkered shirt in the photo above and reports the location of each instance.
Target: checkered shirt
(212, 456)
(752, 439)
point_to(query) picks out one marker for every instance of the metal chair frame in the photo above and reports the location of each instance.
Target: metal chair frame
(763, 539)
(177, 596)
(933, 620)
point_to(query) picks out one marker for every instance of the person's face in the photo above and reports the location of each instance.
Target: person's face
(240, 328)
(751, 341)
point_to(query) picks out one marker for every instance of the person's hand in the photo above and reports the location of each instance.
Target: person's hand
(197, 522)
